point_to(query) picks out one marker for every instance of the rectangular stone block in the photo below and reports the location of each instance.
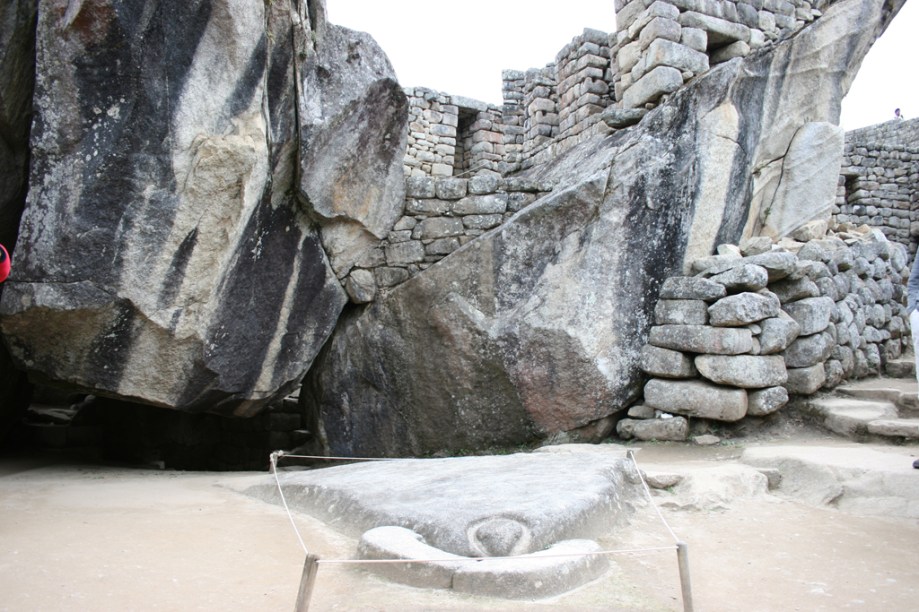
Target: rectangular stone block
(668, 53)
(665, 363)
(404, 253)
(481, 205)
(441, 227)
(681, 312)
(720, 31)
(702, 339)
(659, 81)
(696, 398)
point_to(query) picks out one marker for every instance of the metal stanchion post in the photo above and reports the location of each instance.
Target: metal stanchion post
(682, 555)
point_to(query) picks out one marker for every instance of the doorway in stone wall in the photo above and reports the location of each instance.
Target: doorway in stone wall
(462, 157)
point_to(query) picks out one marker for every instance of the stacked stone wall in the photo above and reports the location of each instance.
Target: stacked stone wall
(440, 216)
(664, 43)
(752, 328)
(879, 180)
(452, 135)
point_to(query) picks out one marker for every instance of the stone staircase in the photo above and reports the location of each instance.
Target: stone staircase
(873, 409)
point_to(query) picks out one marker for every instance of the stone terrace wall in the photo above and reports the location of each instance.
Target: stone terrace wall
(879, 182)
(662, 44)
(748, 331)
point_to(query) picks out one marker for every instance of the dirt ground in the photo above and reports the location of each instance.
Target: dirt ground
(76, 534)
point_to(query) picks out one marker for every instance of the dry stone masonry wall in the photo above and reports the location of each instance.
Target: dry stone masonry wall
(757, 324)
(664, 43)
(658, 47)
(879, 181)
(440, 216)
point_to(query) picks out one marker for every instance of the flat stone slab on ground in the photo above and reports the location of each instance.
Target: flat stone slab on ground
(471, 506)
(852, 478)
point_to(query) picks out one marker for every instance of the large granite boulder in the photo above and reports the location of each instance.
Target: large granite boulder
(535, 328)
(17, 75)
(353, 133)
(162, 255)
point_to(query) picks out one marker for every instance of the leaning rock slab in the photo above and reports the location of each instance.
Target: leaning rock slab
(696, 398)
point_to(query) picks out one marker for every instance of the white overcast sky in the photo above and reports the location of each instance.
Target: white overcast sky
(462, 47)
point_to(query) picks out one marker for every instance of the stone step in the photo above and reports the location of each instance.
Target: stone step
(850, 416)
(901, 392)
(906, 429)
(902, 367)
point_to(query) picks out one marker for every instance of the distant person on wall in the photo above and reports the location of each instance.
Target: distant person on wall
(4, 263)
(897, 114)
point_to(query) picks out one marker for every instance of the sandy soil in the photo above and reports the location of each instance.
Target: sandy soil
(79, 535)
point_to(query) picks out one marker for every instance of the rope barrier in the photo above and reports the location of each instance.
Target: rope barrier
(274, 471)
(530, 557)
(631, 455)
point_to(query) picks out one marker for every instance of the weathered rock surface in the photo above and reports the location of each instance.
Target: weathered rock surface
(353, 131)
(696, 398)
(162, 257)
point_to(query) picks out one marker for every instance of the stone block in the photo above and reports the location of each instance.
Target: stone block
(641, 411)
(681, 312)
(404, 253)
(390, 277)
(778, 264)
(793, 290)
(483, 184)
(766, 401)
(694, 38)
(663, 52)
(657, 82)
(696, 398)
(666, 363)
(742, 309)
(720, 31)
(441, 227)
(674, 429)
(481, 205)
(812, 314)
(482, 221)
(419, 187)
(805, 381)
(451, 188)
(426, 206)
(361, 286)
(442, 246)
(745, 277)
(809, 350)
(660, 28)
(739, 48)
(691, 288)
(745, 371)
(702, 339)
(776, 333)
